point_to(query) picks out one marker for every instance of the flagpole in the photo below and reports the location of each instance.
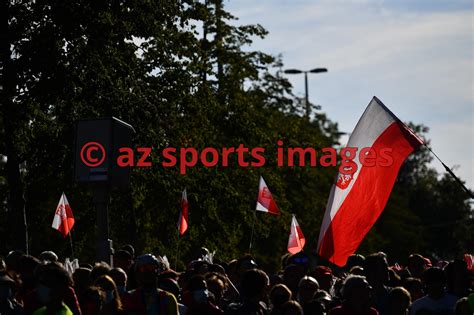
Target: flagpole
(450, 172)
(72, 247)
(26, 225)
(254, 220)
(177, 253)
(253, 228)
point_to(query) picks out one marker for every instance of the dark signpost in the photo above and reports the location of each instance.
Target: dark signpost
(97, 143)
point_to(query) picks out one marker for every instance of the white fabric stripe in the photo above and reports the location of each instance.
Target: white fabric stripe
(260, 207)
(65, 201)
(375, 119)
(293, 226)
(58, 217)
(297, 235)
(261, 185)
(56, 222)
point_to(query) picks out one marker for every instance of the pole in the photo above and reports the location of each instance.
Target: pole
(27, 248)
(253, 228)
(450, 172)
(177, 253)
(101, 200)
(306, 93)
(72, 247)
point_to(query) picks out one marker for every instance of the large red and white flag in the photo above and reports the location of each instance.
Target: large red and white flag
(296, 240)
(183, 215)
(356, 201)
(265, 200)
(63, 219)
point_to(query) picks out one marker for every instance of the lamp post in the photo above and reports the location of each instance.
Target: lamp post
(296, 71)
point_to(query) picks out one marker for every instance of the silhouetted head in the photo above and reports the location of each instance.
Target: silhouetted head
(147, 268)
(254, 284)
(399, 301)
(434, 281)
(53, 282)
(376, 269)
(416, 265)
(279, 294)
(307, 287)
(356, 292)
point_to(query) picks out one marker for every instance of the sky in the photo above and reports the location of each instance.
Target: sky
(416, 56)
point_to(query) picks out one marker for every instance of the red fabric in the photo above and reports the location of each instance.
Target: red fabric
(296, 240)
(265, 199)
(63, 219)
(183, 217)
(367, 198)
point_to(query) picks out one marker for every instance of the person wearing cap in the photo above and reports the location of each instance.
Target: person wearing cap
(8, 304)
(48, 256)
(307, 287)
(324, 276)
(148, 299)
(324, 299)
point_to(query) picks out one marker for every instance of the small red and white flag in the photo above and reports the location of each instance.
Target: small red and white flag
(63, 219)
(183, 215)
(356, 201)
(265, 200)
(296, 240)
(469, 259)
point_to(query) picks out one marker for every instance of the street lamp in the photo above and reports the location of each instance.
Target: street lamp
(296, 71)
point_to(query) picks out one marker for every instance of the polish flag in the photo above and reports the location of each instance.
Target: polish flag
(265, 200)
(183, 215)
(63, 219)
(296, 240)
(357, 200)
(469, 259)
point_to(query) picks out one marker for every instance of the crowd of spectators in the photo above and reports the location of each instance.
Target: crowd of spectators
(145, 284)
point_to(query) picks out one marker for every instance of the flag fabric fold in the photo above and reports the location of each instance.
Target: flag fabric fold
(265, 201)
(296, 240)
(63, 219)
(469, 259)
(183, 215)
(356, 201)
